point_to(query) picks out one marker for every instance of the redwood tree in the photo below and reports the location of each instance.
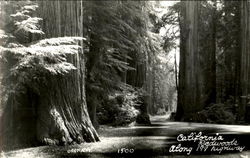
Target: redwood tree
(245, 60)
(189, 92)
(47, 103)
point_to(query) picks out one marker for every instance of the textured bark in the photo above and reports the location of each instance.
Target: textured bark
(70, 108)
(197, 75)
(142, 82)
(245, 61)
(92, 105)
(94, 57)
(58, 114)
(176, 72)
(18, 122)
(228, 79)
(150, 85)
(62, 111)
(189, 92)
(210, 72)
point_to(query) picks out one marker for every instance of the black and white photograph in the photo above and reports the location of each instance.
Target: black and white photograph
(124, 78)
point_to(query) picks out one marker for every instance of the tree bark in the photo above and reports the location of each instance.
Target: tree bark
(210, 80)
(244, 111)
(68, 16)
(62, 111)
(58, 115)
(189, 92)
(93, 58)
(176, 72)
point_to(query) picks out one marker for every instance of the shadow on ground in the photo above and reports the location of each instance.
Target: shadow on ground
(154, 141)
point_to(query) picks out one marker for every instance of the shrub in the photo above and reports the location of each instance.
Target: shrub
(215, 113)
(119, 109)
(161, 111)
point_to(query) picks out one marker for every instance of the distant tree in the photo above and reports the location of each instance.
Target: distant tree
(207, 50)
(118, 45)
(228, 56)
(111, 38)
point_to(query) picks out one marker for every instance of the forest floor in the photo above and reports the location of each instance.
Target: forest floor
(152, 141)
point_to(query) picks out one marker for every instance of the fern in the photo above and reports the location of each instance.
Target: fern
(31, 64)
(29, 25)
(24, 22)
(50, 58)
(59, 41)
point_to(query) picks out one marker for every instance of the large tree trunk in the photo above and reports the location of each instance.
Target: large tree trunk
(62, 115)
(244, 111)
(189, 92)
(93, 59)
(70, 91)
(58, 115)
(210, 77)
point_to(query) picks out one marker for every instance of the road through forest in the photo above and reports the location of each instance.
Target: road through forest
(153, 141)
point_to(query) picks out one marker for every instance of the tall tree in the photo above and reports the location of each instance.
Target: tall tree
(68, 21)
(245, 60)
(197, 75)
(189, 92)
(47, 103)
(111, 39)
(208, 30)
(228, 56)
(118, 46)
